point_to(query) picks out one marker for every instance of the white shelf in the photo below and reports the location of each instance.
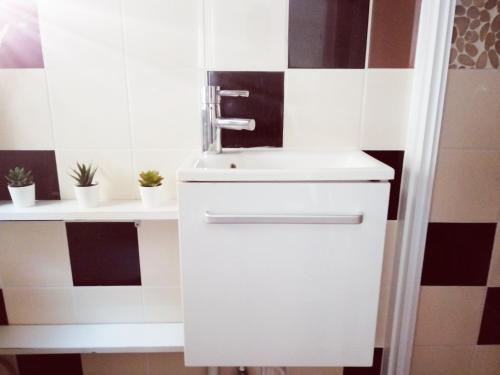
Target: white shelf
(92, 338)
(68, 210)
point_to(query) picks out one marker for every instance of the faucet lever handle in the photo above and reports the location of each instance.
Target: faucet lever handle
(235, 93)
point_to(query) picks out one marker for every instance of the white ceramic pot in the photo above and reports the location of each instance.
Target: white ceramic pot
(152, 196)
(23, 196)
(87, 196)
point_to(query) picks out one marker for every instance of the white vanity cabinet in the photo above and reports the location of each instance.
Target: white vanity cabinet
(281, 273)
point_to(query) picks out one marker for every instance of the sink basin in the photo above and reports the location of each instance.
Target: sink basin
(283, 165)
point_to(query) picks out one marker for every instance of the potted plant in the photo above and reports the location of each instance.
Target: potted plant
(21, 187)
(151, 188)
(86, 190)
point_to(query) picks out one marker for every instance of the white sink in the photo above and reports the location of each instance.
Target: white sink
(282, 165)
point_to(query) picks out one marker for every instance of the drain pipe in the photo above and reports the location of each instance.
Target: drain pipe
(213, 371)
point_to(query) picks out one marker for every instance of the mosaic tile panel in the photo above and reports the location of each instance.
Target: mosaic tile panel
(476, 35)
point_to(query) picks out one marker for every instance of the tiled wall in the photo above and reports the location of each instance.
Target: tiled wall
(458, 325)
(119, 87)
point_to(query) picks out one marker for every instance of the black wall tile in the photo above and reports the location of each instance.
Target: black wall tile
(327, 33)
(104, 254)
(265, 105)
(43, 165)
(458, 253)
(3, 312)
(395, 160)
(490, 324)
(374, 370)
(50, 364)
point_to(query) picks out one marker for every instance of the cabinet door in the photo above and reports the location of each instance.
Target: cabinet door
(279, 274)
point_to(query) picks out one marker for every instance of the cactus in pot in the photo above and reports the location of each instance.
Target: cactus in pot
(21, 185)
(86, 190)
(151, 188)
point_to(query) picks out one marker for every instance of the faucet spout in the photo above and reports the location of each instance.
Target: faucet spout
(235, 123)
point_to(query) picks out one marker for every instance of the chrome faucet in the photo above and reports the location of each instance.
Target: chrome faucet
(213, 122)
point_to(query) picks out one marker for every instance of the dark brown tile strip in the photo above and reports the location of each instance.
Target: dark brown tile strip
(458, 253)
(50, 364)
(265, 105)
(43, 165)
(490, 324)
(393, 33)
(373, 370)
(104, 254)
(395, 160)
(3, 312)
(327, 33)
(21, 47)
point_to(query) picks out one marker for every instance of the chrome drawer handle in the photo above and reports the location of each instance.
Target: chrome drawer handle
(214, 218)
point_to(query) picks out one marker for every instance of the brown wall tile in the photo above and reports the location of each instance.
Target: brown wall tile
(393, 32)
(3, 312)
(265, 105)
(327, 33)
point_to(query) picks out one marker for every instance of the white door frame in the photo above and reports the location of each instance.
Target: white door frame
(431, 70)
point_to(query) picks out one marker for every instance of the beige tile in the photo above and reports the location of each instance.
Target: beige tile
(494, 274)
(441, 360)
(315, 371)
(382, 317)
(467, 186)
(322, 108)
(159, 253)
(109, 304)
(386, 108)
(449, 315)
(34, 254)
(472, 109)
(162, 304)
(391, 234)
(114, 364)
(171, 363)
(486, 360)
(39, 305)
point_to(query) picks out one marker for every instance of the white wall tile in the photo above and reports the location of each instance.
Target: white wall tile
(89, 107)
(163, 33)
(322, 108)
(84, 61)
(115, 364)
(83, 34)
(25, 122)
(162, 304)
(112, 304)
(115, 173)
(246, 34)
(165, 161)
(159, 253)
(385, 110)
(39, 305)
(165, 107)
(34, 254)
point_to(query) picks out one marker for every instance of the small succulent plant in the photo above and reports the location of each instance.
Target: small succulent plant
(84, 175)
(19, 177)
(150, 178)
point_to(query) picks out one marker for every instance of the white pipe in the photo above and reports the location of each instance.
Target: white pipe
(213, 371)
